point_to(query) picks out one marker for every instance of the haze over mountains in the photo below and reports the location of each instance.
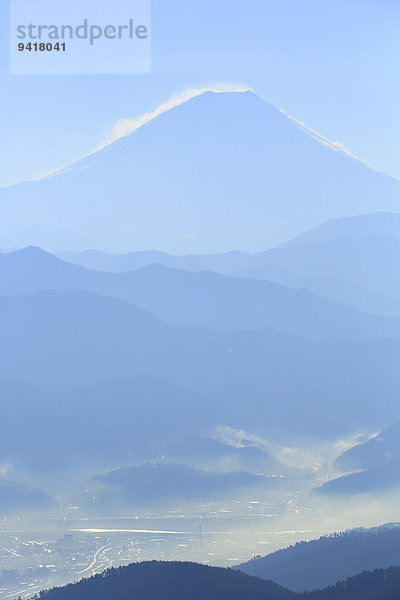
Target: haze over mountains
(368, 262)
(372, 481)
(206, 300)
(232, 172)
(155, 484)
(49, 433)
(104, 338)
(328, 386)
(237, 387)
(330, 260)
(376, 452)
(15, 497)
(375, 465)
(360, 226)
(211, 454)
(176, 351)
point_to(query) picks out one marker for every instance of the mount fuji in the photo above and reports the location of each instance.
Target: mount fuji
(221, 171)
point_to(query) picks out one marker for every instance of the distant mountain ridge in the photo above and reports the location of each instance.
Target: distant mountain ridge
(380, 225)
(202, 299)
(329, 260)
(96, 260)
(346, 259)
(360, 226)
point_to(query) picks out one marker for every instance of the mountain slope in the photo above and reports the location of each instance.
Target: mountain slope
(371, 481)
(335, 289)
(170, 581)
(323, 562)
(43, 435)
(375, 453)
(199, 299)
(179, 581)
(159, 483)
(376, 463)
(18, 498)
(210, 454)
(381, 584)
(359, 226)
(67, 339)
(221, 171)
(368, 262)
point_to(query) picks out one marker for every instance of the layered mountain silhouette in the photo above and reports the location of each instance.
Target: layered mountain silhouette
(320, 563)
(202, 299)
(331, 260)
(351, 260)
(335, 289)
(64, 339)
(368, 262)
(377, 224)
(221, 171)
(225, 263)
(238, 306)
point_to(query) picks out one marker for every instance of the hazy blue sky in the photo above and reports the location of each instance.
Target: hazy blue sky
(333, 64)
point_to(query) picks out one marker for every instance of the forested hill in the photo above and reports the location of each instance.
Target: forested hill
(317, 564)
(180, 581)
(170, 581)
(381, 584)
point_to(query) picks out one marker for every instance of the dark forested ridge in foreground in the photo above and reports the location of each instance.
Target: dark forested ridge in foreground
(381, 584)
(180, 581)
(170, 581)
